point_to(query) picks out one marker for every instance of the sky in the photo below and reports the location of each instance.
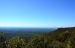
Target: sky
(37, 13)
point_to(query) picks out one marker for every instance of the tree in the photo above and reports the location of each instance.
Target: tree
(2, 40)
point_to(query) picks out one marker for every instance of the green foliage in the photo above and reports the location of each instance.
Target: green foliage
(61, 38)
(16, 42)
(37, 42)
(2, 40)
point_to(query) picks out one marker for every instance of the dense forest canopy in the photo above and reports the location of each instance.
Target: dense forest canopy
(59, 38)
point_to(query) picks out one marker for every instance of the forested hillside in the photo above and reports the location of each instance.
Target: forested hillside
(60, 38)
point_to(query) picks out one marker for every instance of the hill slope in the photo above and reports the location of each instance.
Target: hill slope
(65, 37)
(60, 38)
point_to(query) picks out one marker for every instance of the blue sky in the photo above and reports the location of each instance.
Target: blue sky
(37, 13)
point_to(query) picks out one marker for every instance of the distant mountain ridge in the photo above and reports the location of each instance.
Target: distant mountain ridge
(27, 29)
(25, 32)
(65, 37)
(68, 29)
